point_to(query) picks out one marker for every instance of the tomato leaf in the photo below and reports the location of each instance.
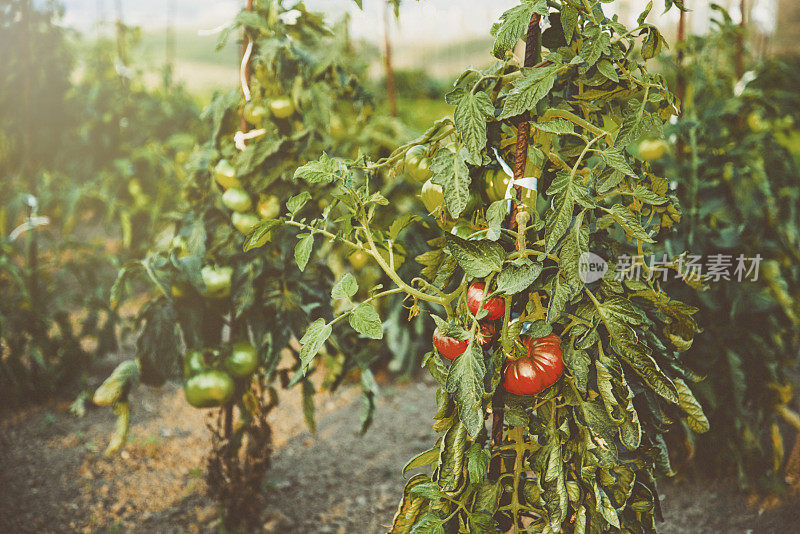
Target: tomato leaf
(514, 24)
(302, 251)
(325, 170)
(260, 234)
(366, 321)
(477, 462)
(470, 116)
(318, 332)
(528, 90)
(478, 258)
(345, 288)
(297, 202)
(516, 277)
(465, 382)
(451, 172)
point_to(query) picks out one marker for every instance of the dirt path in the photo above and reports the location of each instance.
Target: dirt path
(54, 478)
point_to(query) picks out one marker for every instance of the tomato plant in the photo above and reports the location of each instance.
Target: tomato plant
(585, 451)
(231, 318)
(735, 158)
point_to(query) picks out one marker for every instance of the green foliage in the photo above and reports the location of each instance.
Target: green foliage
(736, 160)
(586, 451)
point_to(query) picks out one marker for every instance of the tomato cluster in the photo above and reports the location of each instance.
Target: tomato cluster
(211, 375)
(538, 369)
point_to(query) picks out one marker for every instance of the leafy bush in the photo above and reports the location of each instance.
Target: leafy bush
(736, 160)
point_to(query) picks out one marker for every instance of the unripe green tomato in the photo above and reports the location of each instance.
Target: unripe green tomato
(193, 363)
(756, 123)
(281, 108)
(416, 164)
(243, 360)
(236, 199)
(431, 196)
(255, 113)
(652, 149)
(336, 127)
(244, 222)
(225, 174)
(134, 188)
(496, 184)
(358, 259)
(269, 207)
(422, 172)
(209, 389)
(217, 281)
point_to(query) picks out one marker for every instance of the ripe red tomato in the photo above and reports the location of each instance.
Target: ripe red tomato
(540, 369)
(495, 306)
(449, 347)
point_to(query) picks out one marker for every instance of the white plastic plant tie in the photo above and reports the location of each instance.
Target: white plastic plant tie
(240, 138)
(747, 77)
(30, 224)
(212, 31)
(243, 70)
(527, 182)
(290, 17)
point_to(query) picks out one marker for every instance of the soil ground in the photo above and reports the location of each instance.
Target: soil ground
(54, 477)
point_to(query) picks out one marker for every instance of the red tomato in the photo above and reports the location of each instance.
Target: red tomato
(540, 369)
(449, 347)
(495, 306)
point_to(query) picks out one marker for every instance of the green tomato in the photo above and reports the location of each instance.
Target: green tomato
(497, 183)
(432, 196)
(254, 113)
(269, 207)
(209, 389)
(236, 199)
(281, 108)
(756, 123)
(244, 222)
(194, 363)
(243, 360)
(652, 149)
(225, 175)
(217, 281)
(416, 164)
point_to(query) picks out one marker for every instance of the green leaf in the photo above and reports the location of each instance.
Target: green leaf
(451, 172)
(556, 126)
(428, 491)
(260, 234)
(409, 509)
(627, 220)
(514, 24)
(608, 70)
(325, 170)
(365, 320)
(477, 462)
(399, 223)
(430, 523)
(495, 215)
(695, 417)
(595, 46)
(528, 90)
(616, 159)
(302, 251)
(478, 258)
(312, 341)
(649, 196)
(516, 277)
(470, 116)
(422, 459)
(561, 216)
(346, 287)
(569, 21)
(465, 383)
(578, 362)
(483, 523)
(297, 202)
